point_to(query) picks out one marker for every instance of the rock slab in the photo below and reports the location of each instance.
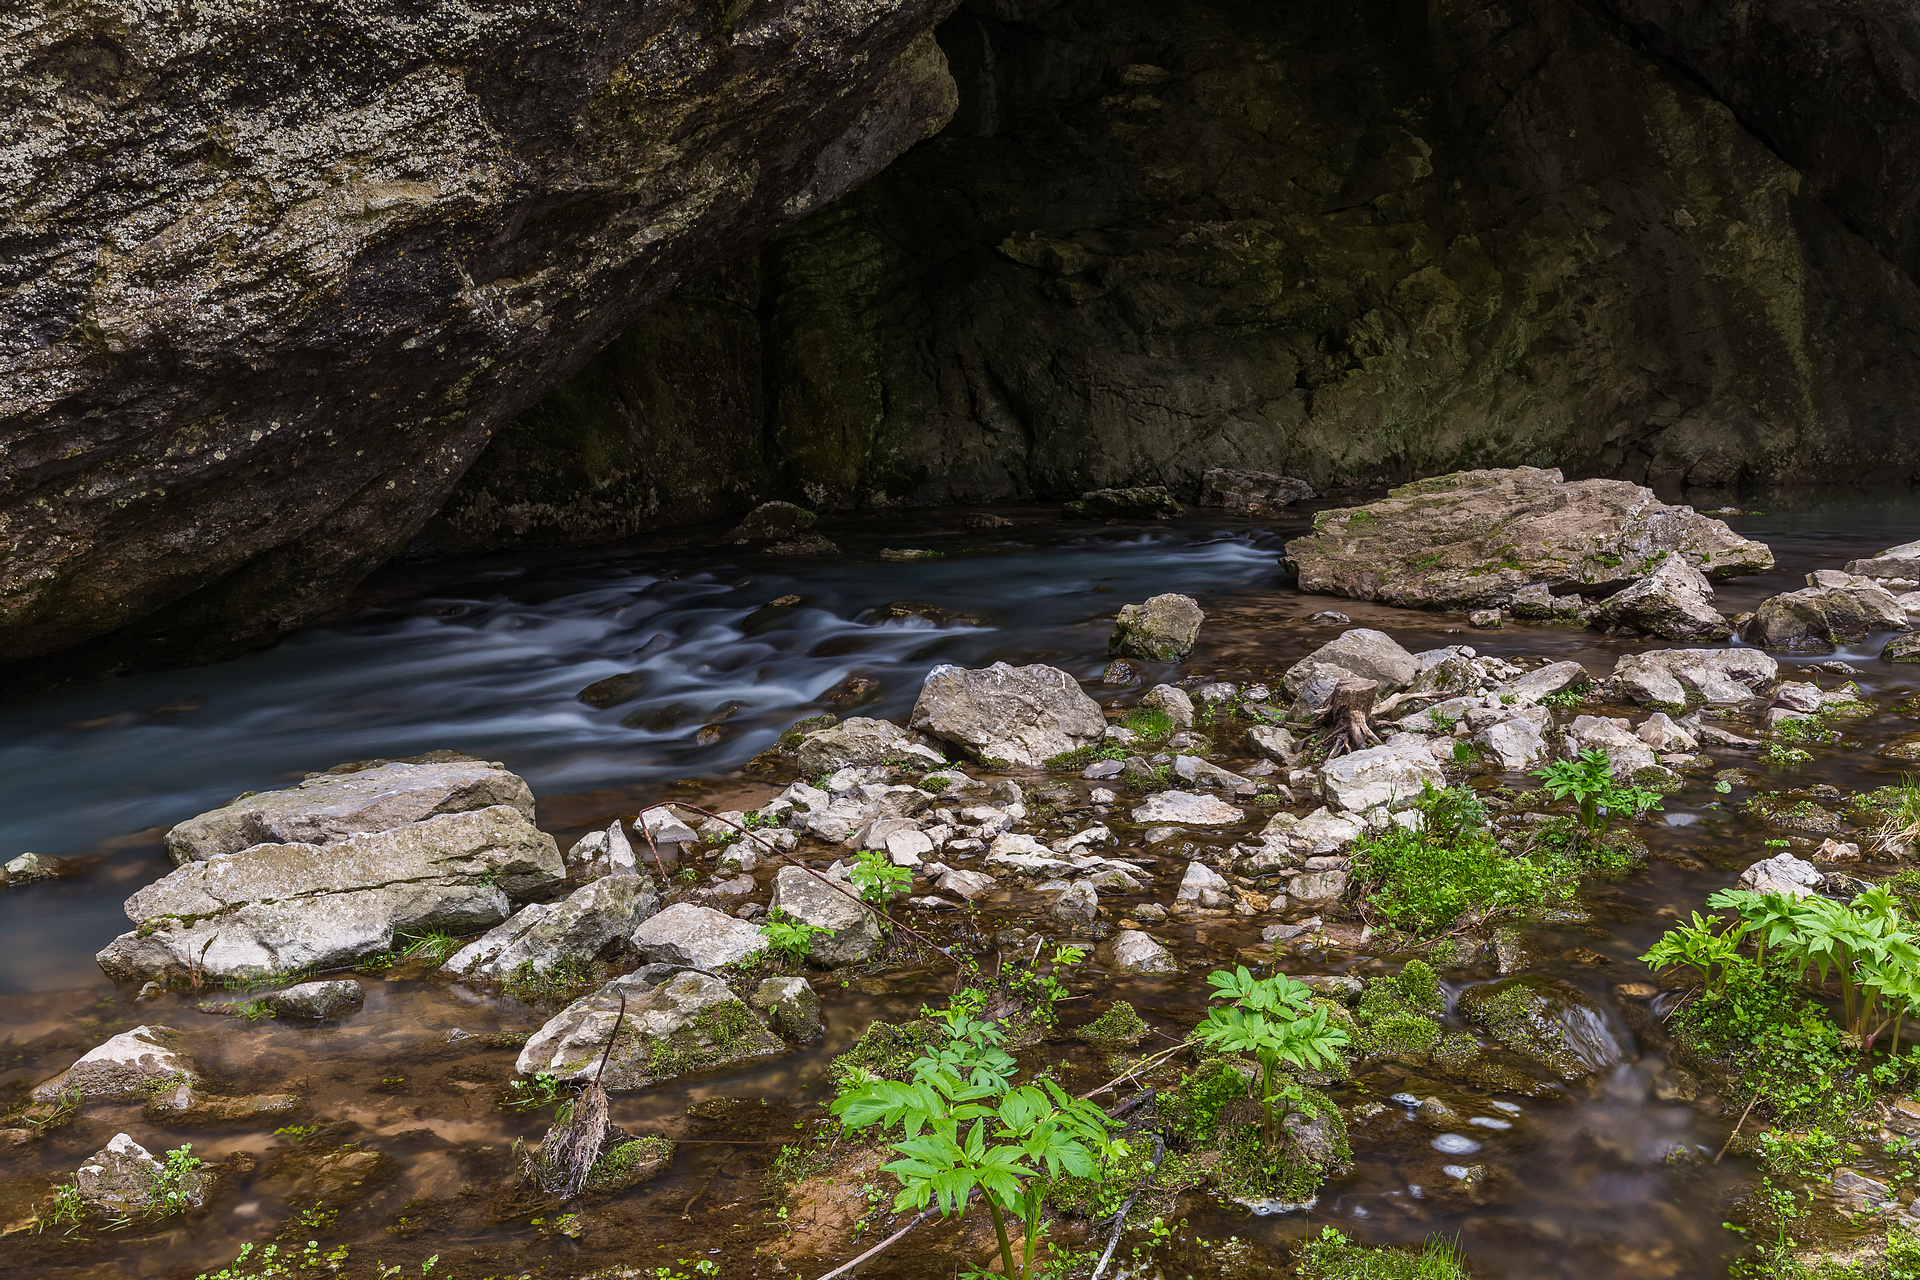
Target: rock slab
(1017, 716)
(688, 1022)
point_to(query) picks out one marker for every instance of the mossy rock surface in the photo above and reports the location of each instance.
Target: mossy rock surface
(630, 1163)
(1547, 1020)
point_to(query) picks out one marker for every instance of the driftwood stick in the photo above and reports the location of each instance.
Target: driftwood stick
(1136, 1070)
(1736, 1127)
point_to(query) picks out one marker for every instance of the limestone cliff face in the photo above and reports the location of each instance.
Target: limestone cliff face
(272, 274)
(1356, 243)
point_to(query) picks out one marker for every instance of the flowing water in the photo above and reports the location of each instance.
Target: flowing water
(697, 658)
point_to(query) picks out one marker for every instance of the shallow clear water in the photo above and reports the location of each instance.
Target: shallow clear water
(491, 658)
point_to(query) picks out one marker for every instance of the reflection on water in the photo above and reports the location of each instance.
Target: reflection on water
(690, 664)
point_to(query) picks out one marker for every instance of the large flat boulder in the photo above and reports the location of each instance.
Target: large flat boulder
(349, 799)
(1008, 716)
(688, 1022)
(1902, 561)
(131, 1065)
(1718, 677)
(275, 908)
(1392, 774)
(696, 937)
(853, 933)
(859, 740)
(544, 935)
(1477, 539)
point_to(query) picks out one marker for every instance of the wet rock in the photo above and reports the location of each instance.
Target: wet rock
(1131, 951)
(328, 999)
(805, 544)
(543, 935)
(1625, 750)
(124, 1178)
(29, 867)
(1858, 1193)
(966, 884)
(601, 853)
(664, 832)
(1476, 539)
(1546, 1019)
(1548, 680)
(1186, 807)
(1251, 493)
(1518, 741)
(790, 1006)
(347, 800)
(1484, 619)
(770, 522)
(1903, 648)
(1783, 873)
(1164, 628)
(272, 908)
(1719, 677)
(1391, 774)
(1330, 618)
(1144, 502)
(1818, 619)
(1119, 673)
(1204, 887)
(1320, 832)
(853, 932)
(1317, 886)
(131, 1064)
(864, 742)
(1207, 774)
(1175, 702)
(1360, 653)
(688, 1022)
(1101, 769)
(1674, 602)
(1536, 603)
(698, 937)
(1273, 744)
(1662, 734)
(1902, 561)
(1016, 716)
(1077, 907)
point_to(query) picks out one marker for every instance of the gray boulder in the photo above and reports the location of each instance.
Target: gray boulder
(1077, 906)
(1012, 716)
(697, 937)
(124, 1178)
(542, 935)
(1391, 774)
(602, 853)
(687, 1022)
(317, 999)
(966, 884)
(1143, 502)
(1624, 749)
(347, 800)
(861, 741)
(1317, 886)
(1548, 680)
(1477, 539)
(1902, 561)
(1131, 951)
(130, 1065)
(1205, 773)
(29, 867)
(272, 908)
(1362, 652)
(790, 1006)
(1204, 886)
(853, 932)
(1718, 677)
(1186, 807)
(1673, 602)
(1783, 873)
(1518, 741)
(1163, 628)
(1818, 619)
(1175, 702)
(1273, 744)
(1251, 493)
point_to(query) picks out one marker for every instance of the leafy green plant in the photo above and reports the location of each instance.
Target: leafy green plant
(790, 939)
(1775, 753)
(1697, 945)
(1276, 1021)
(530, 1093)
(1426, 880)
(1589, 780)
(270, 1263)
(177, 1183)
(1335, 1257)
(876, 878)
(964, 1128)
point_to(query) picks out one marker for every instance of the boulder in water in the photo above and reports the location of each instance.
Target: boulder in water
(1477, 539)
(1902, 562)
(853, 933)
(1013, 716)
(1131, 951)
(684, 1021)
(1163, 628)
(1783, 873)
(1674, 602)
(130, 1065)
(275, 908)
(1818, 619)
(771, 522)
(859, 740)
(125, 1179)
(544, 935)
(348, 799)
(1546, 1019)
(1392, 774)
(1359, 654)
(696, 937)
(317, 999)
(1251, 493)
(1718, 677)
(1143, 502)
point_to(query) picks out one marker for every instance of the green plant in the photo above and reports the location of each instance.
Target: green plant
(1335, 1257)
(271, 1263)
(530, 1093)
(1698, 946)
(1564, 699)
(1589, 780)
(1777, 754)
(790, 939)
(876, 878)
(434, 944)
(177, 1184)
(1149, 724)
(1427, 879)
(296, 1132)
(1276, 1021)
(1442, 722)
(964, 1128)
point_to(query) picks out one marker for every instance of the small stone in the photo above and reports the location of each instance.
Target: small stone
(1203, 885)
(1175, 702)
(1131, 951)
(1077, 907)
(29, 867)
(853, 932)
(1119, 673)
(1484, 619)
(1330, 618)
(317, 999)
(1783, 873)
(124, 1178)
(697, 937)
(1102, 769)
(790, 1005)
(966, 884)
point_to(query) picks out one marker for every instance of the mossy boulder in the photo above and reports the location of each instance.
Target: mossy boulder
(630, 1163)
(1547, 1020)
(690, 1021)
(1163, 628)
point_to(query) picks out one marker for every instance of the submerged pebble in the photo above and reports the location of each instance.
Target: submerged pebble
(1454, 1144)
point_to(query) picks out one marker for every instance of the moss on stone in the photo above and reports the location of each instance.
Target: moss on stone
(885, 1050)
(630, 1163)
(1119, 1025)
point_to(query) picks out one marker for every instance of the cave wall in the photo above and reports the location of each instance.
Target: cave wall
(1353, 242)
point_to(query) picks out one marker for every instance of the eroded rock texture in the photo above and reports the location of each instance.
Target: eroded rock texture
(271, 275)
(1354, 244)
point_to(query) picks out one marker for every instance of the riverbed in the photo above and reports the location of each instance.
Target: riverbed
(722, 649)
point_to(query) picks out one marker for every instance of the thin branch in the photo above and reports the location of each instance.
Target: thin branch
(1736, 1128)
(912, 1222)
(1120, 1223)
(1136, 1070)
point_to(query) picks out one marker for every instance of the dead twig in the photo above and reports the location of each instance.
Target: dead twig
(1736, 1127)
(1134, 1071)
(1120, 1222)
